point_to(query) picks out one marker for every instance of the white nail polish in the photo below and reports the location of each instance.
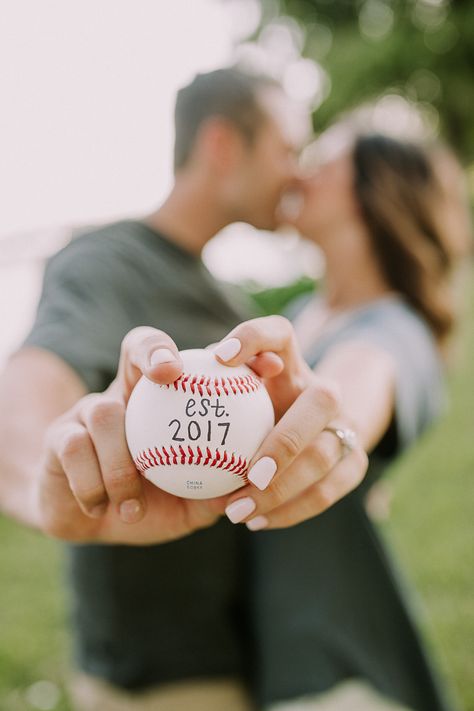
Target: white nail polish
(228, 349)
(240, 509)
(257, 523)
(162, 355)
(262, 472)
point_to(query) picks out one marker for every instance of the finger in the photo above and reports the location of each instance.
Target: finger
(146, 351)
(58, 511)
(311, 465)
(104, 419)
(319, 497)
(312, 410)
(269, 334)
(78, 459)
(266, 365)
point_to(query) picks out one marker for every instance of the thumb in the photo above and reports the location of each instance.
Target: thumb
(145, 351)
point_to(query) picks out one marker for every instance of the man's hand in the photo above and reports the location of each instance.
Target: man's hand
(301, 468)
(88, 488)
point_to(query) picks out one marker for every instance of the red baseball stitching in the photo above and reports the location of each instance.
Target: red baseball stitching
(162, 456)
(205, 384)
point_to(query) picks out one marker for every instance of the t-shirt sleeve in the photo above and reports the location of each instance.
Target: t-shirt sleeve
(419, 391)
(81, 315)
(419, 383)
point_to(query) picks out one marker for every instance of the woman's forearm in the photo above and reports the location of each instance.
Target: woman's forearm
(35, 388)
(365, 376)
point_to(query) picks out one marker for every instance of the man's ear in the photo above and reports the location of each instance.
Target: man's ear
(220, 144)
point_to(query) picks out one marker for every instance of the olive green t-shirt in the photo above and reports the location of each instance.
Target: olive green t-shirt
(124, 275)
(157, 613)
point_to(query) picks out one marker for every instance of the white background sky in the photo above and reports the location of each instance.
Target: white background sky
(87, 92)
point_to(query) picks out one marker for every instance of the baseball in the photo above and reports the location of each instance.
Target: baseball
(195, 437)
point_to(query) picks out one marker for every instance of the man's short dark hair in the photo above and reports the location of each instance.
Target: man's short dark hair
(230, 93)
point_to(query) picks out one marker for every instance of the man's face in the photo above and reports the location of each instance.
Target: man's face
(270, 164)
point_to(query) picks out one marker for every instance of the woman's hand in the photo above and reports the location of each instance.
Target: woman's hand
(301, 469)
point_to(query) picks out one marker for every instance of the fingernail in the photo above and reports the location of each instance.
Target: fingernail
(98, 510)
(130, 510)
(262, 472)
(257, 523)
(240, 509)
(228, 349)
(162, 355)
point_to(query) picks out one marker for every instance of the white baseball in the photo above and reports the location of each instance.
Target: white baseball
(195, 437)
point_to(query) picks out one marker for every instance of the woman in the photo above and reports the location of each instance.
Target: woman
(314, 604)
(385, 223)
(320, 607)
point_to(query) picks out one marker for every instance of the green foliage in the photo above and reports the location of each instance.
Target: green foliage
(427, 56)
(274, 301)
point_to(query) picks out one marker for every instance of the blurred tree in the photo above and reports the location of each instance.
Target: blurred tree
(420, 49)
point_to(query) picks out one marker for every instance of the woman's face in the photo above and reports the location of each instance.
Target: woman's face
(328, 202)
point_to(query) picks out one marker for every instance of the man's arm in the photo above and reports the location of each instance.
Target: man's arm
(65, 467)
(35, 388)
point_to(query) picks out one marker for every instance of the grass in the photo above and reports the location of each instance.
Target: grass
(430, 527)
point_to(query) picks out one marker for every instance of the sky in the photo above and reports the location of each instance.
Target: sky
(87, 93)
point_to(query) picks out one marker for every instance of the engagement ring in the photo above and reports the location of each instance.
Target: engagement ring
(346, 437)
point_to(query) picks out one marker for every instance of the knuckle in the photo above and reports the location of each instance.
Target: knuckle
(91, 496)
(90, 399)
(323, 497)
(106, 413)
(249, 331)
(121, 475)
(278, 493)
(282, 323)
(52, 435)
(73, 444)
(322, 457)
(306, 508)
(289, 442)
(327, 394)
(134, 335)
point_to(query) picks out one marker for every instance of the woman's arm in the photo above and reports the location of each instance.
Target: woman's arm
(365, 375)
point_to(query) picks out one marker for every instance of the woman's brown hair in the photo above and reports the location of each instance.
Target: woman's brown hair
(405, 206)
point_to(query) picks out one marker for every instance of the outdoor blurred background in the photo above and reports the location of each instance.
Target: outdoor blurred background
(87, 91)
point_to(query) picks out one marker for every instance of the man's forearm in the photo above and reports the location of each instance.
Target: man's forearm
(17, 477)
(35, 388)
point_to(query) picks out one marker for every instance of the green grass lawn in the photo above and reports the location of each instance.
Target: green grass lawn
(430, 527)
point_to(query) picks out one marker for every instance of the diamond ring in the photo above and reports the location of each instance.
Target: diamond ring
(346, 437)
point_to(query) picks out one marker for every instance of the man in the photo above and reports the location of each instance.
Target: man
(153, 615)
